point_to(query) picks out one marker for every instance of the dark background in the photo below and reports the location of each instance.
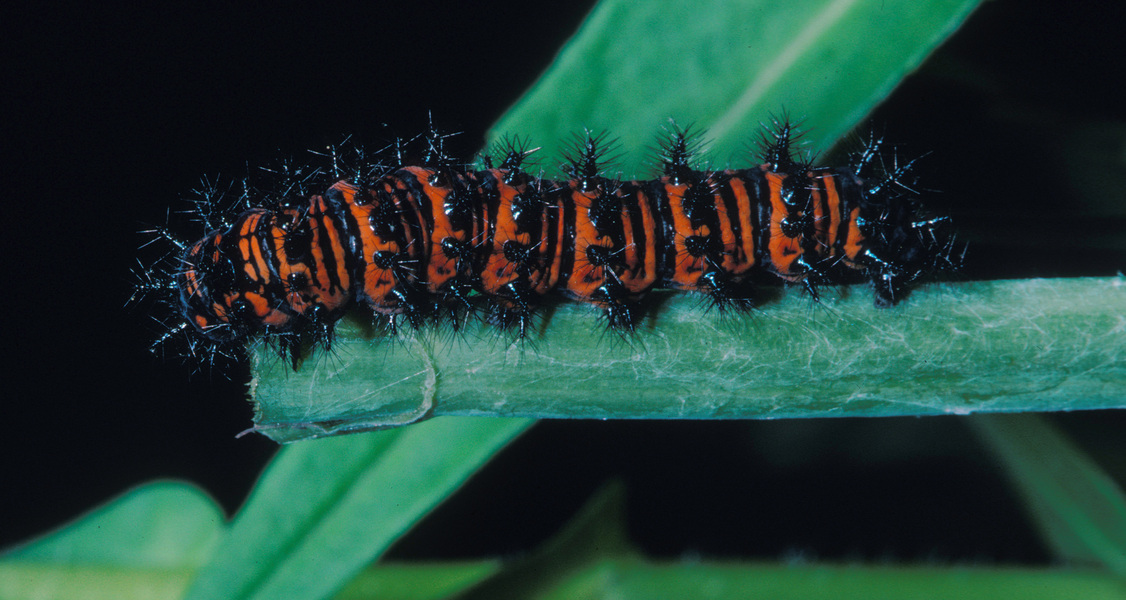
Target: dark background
(114, 113)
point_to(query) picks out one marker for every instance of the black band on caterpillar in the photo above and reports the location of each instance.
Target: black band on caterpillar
(439, 238)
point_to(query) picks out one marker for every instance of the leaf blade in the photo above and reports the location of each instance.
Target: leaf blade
(325, 509)
(726, 66)
(715, 580)
(1078, 508)
(160, 525)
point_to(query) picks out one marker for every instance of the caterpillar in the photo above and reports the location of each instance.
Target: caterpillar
(436, 238)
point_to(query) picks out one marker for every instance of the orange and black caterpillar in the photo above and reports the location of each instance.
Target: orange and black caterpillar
(438, 238)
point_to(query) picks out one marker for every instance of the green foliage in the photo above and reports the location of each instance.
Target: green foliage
(325, 509)
(135, 531)
(726, 67)
(1080, 511)
(322, 511)
(145, 545)
(714, 581)
(302, 536)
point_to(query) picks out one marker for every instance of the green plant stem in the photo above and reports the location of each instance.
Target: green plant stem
(995, 346)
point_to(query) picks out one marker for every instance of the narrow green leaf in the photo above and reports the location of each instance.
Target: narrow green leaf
(159, 525)
(727, 66)
(31, 580)
(999, 346)
(1079, 509)
(628, 580)
(324, 510)
(143, 545)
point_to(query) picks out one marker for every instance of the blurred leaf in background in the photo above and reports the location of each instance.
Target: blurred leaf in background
(726, 67)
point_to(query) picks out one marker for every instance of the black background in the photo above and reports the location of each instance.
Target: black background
(115, 112)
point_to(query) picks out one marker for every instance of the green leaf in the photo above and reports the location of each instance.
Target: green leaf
(727, 66)
(29, 580)
(324, 510)
(166, 524)
(145, 544)
(999, 346)
(1079, 509)
(628, 580)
